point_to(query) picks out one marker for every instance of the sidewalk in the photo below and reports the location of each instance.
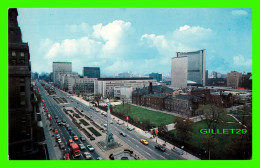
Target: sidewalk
(169, 146)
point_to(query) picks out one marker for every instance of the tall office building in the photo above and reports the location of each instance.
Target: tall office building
(156, 76)
(58, 68)
(196, 65)
(91, 72)
(20, 109)
(179, 72)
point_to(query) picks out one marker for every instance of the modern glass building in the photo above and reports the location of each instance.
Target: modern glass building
(60, 67)
(91, 72)
(196, 65)
(156, 76)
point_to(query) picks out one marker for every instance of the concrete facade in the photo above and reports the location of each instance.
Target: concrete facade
(105, 86)
(179, 72)
(234, 79)
(60, 67)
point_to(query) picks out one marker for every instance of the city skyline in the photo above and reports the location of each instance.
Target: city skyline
(137, 40)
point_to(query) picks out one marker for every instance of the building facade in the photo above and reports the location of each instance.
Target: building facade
(156, 76)
(105, 86)
(196, 65)
(20, 109)
(58, 68)
(91, 72)
(179, 72)
(234, 79)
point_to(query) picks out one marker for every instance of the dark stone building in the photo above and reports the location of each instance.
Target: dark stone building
(246, 81)
(21, 99)
(91, 72)
(217, 82)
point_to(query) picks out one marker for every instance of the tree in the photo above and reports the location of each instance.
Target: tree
(241, 145)
(244, 114)
(97, 97)
(213, 115)
(127, 108)
(183, 128)
(209, 143)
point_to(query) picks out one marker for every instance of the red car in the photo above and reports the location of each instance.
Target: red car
(66, 156)
(56, 131)
(70, 141)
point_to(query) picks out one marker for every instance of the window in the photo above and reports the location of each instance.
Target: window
(14, 62)
(22, 89)
(22, 61)
(21, 80)
(22, 54)
(13, 53)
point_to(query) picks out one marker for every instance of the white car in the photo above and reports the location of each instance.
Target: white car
(90, 148)
(82, 147)
(87, 155)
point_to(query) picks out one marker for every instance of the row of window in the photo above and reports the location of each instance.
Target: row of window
(14, 53)
(20, 61)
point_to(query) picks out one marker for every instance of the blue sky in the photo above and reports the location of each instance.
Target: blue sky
(137, 40)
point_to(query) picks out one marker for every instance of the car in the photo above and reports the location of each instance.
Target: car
(57, 136)
(75, 137)
(87, 155)
(62, 146)
(99, 158)
(105, 125)
(67, 125)
(64, 121)
(102, 113)
(130, 129)
(72, 133)
(82, 138)
(58, 140)
(177, 150)
(90, 148)
(105, 115)
(123, 134)
(82, 147)
(143, 141)
(56, 131)
(92, 138)
(66, 156)
(58, 121)
(160, 147)
(56, 117)
(69, 128)
(70, 141)
(71, 100)
(81, 110)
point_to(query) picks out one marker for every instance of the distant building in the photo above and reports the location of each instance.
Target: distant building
(124, 75)
(196, 66)
(234, 79)
(156, 76)
(246, 81)
(21, 100)
(60, 67)
(179, 72)
(91, 72)
(105, 86)
(217, 82)
(123, 93)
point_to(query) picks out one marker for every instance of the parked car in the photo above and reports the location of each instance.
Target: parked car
(87, 155)
(66, 156)
(92, 138)
(70, 141)
(62, 146)
(143, 141)
(69, 128)
(64, 121)
(56, 131)
(82, 138)
(105, 125)
(82, 147)
(160, 147)
(123, 134)
(99, 158)
(58, 140)
(57, 136)
(177, 150)
(56, 117)
(75, 137)
(130, 129)
(90, 148)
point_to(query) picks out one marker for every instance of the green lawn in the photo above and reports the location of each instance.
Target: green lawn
(156, 118)
(95, 132)
(222, 139)
(84, 122)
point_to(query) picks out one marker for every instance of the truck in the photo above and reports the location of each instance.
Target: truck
(75, 149)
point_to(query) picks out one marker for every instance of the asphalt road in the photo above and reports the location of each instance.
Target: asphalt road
(55, 109)
(132, 138)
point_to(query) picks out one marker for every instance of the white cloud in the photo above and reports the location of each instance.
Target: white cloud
(240, 60)
(112, 33)
(185, 38)
(239, 12)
